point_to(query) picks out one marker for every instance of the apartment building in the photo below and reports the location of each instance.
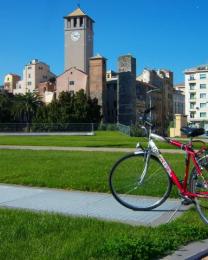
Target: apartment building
(196, 95)
(10, 82)
(34, 73)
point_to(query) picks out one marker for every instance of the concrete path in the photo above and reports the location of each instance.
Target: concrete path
(96, 205)
(85, 204)
(193, 251)
(84, 149)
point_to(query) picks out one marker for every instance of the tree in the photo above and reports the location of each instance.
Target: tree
(5, 107)
(70, 108)
(25, 107)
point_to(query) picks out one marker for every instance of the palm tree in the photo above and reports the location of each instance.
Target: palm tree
(25, 107)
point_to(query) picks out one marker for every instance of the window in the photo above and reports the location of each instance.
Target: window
(71, 83)
(202, 105)
(192, 77)
(192, 86)
(29, 68)
(81, 21)
(202, 95)
(203, 76)
(192, 114)
(75, 22)
(40, 68)
(69, 23)
(29, 76)
(193, 96)
(192, 105)
(29, 83)
(202, 86)
(203, 114)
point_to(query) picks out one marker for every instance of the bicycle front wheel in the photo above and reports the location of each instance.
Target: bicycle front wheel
(139, 185)
(199, 185)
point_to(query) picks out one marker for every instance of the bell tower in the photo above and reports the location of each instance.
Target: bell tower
(78, 40)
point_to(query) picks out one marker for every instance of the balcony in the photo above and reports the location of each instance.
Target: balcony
(191, 79)
(192, 98)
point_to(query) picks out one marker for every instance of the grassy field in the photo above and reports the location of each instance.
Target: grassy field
(27, 235)
(87, 171)
(101, 139)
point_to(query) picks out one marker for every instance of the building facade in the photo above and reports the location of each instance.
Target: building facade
(111, 99)
(34, 73)
(10, 82)
(97, 82)
(196, 95)
(71, 80)
(46, 91)
(79, 37)
(178, 100)
(126, 91)
(163, 81)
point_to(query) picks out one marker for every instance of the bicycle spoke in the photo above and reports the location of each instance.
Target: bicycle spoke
(125, 185)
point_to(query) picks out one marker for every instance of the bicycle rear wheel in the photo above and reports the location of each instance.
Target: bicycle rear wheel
(127, 188)
(199, 185)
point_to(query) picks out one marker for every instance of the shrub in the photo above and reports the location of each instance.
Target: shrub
(137, 131)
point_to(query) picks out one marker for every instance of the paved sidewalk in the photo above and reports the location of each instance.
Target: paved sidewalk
(87, 204)
(96, 205)
(84, 149)
(193, 251)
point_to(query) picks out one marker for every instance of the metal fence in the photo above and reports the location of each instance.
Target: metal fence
(124, 129)
(61, 128)
(46, 127)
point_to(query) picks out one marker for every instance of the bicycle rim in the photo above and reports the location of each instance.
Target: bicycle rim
(199, 185)
(126, 185)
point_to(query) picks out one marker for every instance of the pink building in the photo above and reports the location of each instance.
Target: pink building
(72, 80)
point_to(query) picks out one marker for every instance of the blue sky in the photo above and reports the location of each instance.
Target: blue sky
(170, 34)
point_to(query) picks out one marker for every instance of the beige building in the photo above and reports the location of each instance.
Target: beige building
(71, 80)
(46, 91)
(34, 73)
(196, 95)
(10, 82)
(181, 87)
(179, 122)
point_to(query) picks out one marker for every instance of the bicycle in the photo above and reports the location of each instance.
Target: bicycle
(143, 180)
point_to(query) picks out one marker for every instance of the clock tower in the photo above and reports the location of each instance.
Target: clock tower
(78, 40)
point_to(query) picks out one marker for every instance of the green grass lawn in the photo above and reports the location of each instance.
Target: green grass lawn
(27, 235)
(87, 171)
(101, 139)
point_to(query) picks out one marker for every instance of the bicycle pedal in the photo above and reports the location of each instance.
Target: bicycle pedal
(186, 202)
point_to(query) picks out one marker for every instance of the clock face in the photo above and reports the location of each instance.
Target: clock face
(75, 36)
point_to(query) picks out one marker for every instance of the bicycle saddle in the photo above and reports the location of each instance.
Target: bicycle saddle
(192, 132)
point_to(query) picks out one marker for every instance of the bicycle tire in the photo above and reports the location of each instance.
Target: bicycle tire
(200, 184)
(154, 190)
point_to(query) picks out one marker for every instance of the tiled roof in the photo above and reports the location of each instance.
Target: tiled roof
(77, 12)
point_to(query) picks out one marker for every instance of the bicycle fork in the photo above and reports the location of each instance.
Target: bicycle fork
(146, 166)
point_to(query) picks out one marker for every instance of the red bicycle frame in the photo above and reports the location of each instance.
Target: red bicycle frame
(190, 155)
